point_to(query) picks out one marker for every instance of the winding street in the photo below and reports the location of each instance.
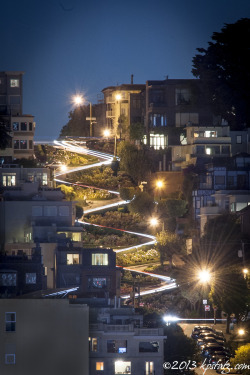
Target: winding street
(105, 159)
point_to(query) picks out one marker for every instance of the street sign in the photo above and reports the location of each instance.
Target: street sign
(205, 302)
(207, 307)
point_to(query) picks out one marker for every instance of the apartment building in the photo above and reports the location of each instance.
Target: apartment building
(20, 127)
(43, 336)
(224, 186)
(119, 344)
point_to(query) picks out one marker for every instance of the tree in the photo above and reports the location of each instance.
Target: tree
(136, 131)
(170, 210)
(5, 138)
(229, 292)
(179, 347)
(142, 204)
(224, 72)
(168, 244)
(242, 356)
(133, 161)
(221, 240)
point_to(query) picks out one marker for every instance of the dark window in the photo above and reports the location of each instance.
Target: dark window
(30, 145)
(8, 278)
(15, 99)
(15, 126)
(98, 282)
(23, 145)
(23, 126)
(10, 321)
(16, 144)
(238, 139)
(200, 150)
(225, 150)
(241, 181)
(30, 278)
(148, 346)
(230, 180)
(219, 180)
(117, 346)
(157, 96)
(30, 126)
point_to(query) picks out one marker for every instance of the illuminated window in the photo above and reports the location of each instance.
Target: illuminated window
(93, 344)
(157, 141)
(149, 368)
(100, 260)
(14, 82)
(10, 359)
(10, 321)
(99, 366)
(210, 134)
(122, 367)
(76, 237)
(30, 278)
(73, 259)
(9, 179)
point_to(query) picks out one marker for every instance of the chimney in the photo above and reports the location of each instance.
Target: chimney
(132, 79)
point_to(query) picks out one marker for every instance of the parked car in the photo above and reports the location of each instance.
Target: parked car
(210, 348)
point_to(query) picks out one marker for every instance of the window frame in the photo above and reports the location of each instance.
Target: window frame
(13, 355)
(11, 322)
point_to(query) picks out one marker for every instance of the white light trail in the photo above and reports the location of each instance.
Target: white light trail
(169, 283)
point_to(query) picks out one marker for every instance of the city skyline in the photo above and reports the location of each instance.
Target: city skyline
(69, 47)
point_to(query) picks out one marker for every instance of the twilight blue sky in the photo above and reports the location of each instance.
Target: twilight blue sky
(69, 46)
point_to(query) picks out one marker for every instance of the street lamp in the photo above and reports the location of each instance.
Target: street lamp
(155, 222)
(78, 100)
(204, 276)
(245, 272)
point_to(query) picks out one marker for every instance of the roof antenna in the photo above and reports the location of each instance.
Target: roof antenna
(132, 79)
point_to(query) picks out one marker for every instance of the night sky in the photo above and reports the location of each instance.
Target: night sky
(71, 46)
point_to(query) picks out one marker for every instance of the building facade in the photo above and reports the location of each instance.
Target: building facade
(43, 336)
(19, 126)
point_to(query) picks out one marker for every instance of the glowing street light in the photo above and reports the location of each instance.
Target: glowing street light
(78, 100)
(245, 272)
(106, 133)
(241, 332)
(154, 221)
(159, 184)
(63, 167)
(204, 276)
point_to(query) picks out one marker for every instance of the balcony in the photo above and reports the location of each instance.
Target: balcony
(110, 114)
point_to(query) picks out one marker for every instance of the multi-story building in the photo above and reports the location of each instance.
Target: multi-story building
(20, 127)
(43, 336)
(93, 271)
(15, 175)
(21, 274)
(124, 106)
(119, 344)
(223, 187)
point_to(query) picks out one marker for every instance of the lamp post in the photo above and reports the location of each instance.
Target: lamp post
(155, 222)
(204, 277)
(78, 100)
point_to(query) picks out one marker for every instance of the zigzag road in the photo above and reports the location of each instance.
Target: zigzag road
(106, 159)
